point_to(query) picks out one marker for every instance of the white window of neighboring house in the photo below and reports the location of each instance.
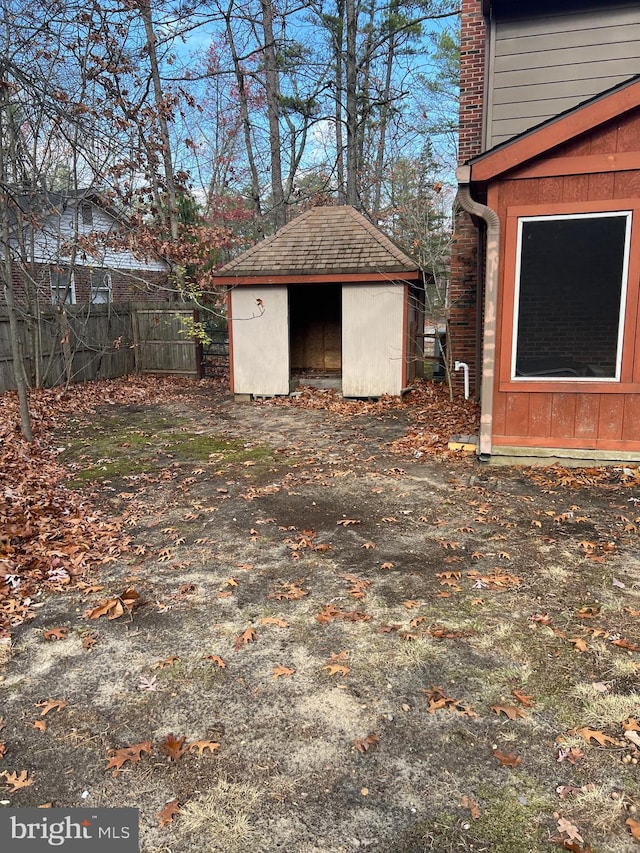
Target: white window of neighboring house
(86, 210)
(100, 287)
(571, 287)
(63, 291)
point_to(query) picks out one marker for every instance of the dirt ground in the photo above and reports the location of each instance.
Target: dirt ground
(327, 642)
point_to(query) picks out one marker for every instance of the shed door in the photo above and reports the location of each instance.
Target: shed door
(259, 340)
(373, 353)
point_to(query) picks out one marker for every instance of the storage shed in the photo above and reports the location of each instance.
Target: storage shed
(561, 362)
(328, 300)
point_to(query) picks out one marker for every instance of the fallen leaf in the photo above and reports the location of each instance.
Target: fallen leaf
(169, 812)
(56, 634)
(282, 672)
(126, 754)
(508, 759)
(274, 620)
(345, 522)
(337, 669)
(634, 827)
(173, 747)
(217, 660)
(472, 805)
(387, 565)
(41, 725)
(365, 744)
(569, 829)
(202, 745)
(51, 705)
(247, 636)
(166, 662)
(593, 734)
(17, 781)
(527, 701)
(510, 711)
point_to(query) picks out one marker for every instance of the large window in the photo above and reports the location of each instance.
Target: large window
(571, 278)
(63, 290)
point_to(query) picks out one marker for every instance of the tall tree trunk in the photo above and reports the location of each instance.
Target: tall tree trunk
(163, 128)
(351, 70)
(244, 115)
(272, 89)
(382, 133)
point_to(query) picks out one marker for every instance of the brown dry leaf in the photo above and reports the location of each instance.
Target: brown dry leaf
(365, 744)
(217, 660)
(625, 644)
(525, 700)
(572, 755)
(510, 711)
(593, 734)
(56, 634)
(169, 812)
(634, 827)
(508, 759)
(166, 662)
(345, 522)
(202, 745)
(569, 829)
(247, 636)
(3, 747)
(51, 705)
(17, 781)
(282, 672)
(275, 621)
(472, 805)
(337, 669)
(131, 754)
(41, 725)
(410, 603)
(631, 725)
(369, 545)
(174, 747)
(579, 644)
(88, 641)
(387, 565)
(589, 611)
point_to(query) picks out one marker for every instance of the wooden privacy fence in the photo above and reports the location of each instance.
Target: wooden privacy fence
(102, 342)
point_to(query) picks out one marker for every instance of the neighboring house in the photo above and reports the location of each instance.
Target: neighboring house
(62, 251)
(546, 264)
(328, 300)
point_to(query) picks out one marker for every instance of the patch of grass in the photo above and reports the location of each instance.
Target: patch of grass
(222, 814)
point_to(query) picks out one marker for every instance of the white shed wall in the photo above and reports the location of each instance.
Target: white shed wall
(372, 339)
(260, 340)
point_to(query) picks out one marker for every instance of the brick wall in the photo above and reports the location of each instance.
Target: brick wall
(462, 323)
(126, 284)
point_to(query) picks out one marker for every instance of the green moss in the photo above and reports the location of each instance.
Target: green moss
(143, 442)
(510, 819)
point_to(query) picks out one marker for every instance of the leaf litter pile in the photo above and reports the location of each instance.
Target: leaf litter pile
(302, 624)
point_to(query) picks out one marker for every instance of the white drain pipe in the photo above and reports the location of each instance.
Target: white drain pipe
(462, 365)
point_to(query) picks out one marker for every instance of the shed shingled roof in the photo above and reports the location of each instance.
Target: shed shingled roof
(323, 241)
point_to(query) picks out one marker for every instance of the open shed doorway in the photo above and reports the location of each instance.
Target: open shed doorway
(315, 335)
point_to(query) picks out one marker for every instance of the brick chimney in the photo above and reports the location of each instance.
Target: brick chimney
(464, 255)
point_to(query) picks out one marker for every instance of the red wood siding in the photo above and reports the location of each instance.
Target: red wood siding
(564, 413)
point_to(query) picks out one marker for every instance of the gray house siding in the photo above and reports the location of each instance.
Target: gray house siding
(544, 65)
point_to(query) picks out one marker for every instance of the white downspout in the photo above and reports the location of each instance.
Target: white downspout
(463, 174)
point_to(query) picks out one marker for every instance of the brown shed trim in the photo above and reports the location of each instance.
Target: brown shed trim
(581, 119)
(333, 278)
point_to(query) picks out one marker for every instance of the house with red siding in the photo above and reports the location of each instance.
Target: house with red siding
(545, 303)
